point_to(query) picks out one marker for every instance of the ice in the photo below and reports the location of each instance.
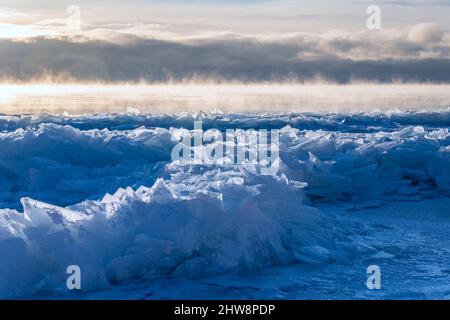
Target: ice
(101, 192)
(236, 221)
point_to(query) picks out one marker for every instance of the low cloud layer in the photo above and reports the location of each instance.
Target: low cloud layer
(419, 54)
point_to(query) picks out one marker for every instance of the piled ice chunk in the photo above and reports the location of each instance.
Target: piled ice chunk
(194, 224)
(195, 219)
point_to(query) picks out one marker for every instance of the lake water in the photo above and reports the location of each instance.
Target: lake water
(79, 99)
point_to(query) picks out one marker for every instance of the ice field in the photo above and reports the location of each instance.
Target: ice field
(100, 191)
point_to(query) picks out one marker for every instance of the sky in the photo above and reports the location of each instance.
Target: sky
(226, 40)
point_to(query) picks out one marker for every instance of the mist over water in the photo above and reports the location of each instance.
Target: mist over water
(240, 98)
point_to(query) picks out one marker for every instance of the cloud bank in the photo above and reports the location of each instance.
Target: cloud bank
(148, 53)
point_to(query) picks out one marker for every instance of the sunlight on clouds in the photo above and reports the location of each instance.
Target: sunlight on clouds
(13, 31)
(249, 17)
(238, 40)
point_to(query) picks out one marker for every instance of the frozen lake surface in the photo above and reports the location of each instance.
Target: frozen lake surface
(100, 191)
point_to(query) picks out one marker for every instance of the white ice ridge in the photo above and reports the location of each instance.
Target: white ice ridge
(200, 222)
(64, 165)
